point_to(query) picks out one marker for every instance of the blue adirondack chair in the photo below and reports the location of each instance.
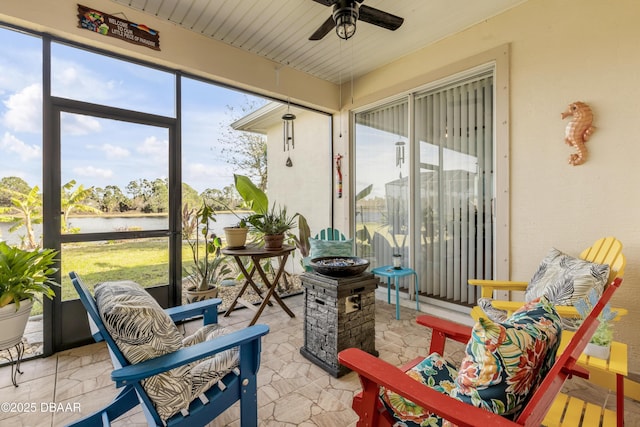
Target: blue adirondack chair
(237, 385)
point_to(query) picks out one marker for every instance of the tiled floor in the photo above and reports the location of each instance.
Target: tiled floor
(292, 391)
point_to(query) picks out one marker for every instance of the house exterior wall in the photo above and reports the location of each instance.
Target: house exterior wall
(304, 187)
(560, 52)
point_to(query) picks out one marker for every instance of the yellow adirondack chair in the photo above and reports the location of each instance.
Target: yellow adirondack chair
(607, 250)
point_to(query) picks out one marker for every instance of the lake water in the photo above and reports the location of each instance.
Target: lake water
(94, 224)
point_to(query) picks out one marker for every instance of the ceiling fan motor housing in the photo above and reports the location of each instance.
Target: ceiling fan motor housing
(345, 15)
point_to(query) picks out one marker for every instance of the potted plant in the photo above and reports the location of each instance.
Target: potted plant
(209, 266)
(236, 235)
(24, 276)
(600, 344)
(273, 224)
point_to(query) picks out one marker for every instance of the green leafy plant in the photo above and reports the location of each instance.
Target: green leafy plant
(212, 266)
(302, 239)
(25, 274)
(274, 221)
(603, 334)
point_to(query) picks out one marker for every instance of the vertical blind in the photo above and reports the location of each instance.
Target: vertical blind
(454, 134)
(452, 167)
(382, 167)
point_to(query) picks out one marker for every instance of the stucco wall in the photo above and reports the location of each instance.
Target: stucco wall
(305, 186)
(561, 51)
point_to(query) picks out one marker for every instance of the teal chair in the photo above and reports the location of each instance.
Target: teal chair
(330, 234)
(328, 242)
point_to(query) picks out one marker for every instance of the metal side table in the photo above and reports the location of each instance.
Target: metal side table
(389, 271)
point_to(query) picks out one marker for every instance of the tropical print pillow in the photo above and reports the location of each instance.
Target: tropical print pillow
(142, 330)
(504, 363)
(207, 372)
(564, 279)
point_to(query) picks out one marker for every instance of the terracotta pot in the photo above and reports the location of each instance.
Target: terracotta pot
(236, 237)
(12, 323)
(194, 296)
(273, 242)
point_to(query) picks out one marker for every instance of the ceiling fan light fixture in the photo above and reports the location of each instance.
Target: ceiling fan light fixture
(346, 17)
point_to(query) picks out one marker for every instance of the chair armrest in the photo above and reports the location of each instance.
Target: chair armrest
(151, 367)
(443, 329)
(488, 286)
(375, 372)
(566, 311)
(206, 308)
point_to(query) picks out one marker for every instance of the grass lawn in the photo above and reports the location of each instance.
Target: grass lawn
(143, 261)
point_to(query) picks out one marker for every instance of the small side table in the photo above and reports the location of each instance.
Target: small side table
(255, 254)
(389, 271)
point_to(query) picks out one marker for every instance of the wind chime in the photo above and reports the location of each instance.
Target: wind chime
(287, 128)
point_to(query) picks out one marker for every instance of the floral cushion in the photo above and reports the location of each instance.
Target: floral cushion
(434, 372)
(504, 363)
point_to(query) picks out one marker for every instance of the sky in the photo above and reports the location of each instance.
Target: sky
(99, 152)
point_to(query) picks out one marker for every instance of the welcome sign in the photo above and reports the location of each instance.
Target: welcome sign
(113, 26)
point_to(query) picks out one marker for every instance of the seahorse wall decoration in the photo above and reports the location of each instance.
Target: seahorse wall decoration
(578, 130)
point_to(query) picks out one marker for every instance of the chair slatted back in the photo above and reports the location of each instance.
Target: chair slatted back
(330, 234)
(607, 250)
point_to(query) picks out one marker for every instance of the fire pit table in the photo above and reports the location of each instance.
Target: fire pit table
(339, 313)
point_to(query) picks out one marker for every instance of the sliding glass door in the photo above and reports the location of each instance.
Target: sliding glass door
(425, 185)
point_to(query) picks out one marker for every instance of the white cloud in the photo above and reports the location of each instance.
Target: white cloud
(11, 144)
(91, 171)
(24, 110)
(155, 148)
(71, 79)
(198, 170)
(76, 124)
(114, 152)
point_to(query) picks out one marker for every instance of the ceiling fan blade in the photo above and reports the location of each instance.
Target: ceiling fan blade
(324, 29)
(380, 18)
(326, 2)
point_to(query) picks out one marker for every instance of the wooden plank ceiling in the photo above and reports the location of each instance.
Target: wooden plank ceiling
(279, 29)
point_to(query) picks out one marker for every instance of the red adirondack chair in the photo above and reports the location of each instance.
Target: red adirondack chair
(375, 373)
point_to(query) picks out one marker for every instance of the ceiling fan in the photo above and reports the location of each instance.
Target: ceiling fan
(347, 12)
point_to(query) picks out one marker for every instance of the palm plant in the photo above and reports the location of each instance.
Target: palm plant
(26, 210)
(74, 200)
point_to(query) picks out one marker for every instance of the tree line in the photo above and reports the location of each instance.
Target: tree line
(21, 204)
